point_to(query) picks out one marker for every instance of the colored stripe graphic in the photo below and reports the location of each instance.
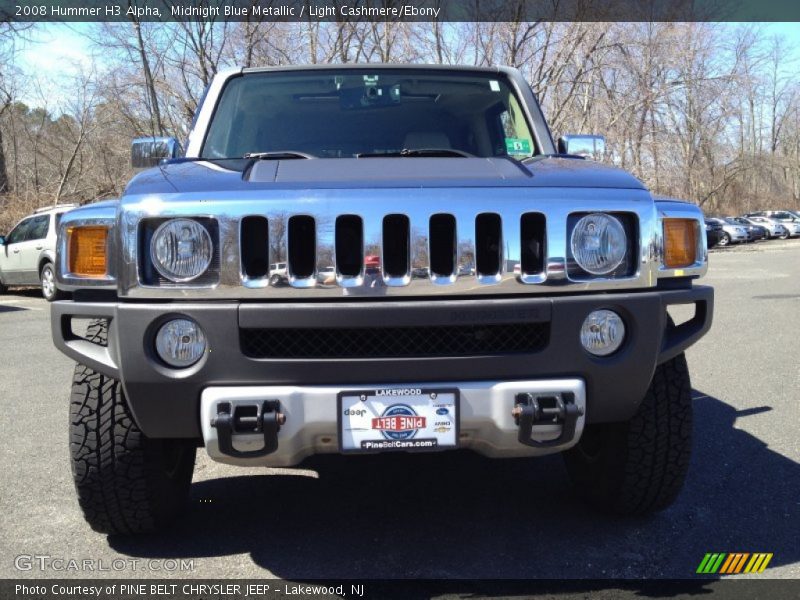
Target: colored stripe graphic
(766, 562)
(715, 567)
(758, 562)
(741, 562)
(733, 563)
(728, 562)
(703, 563)
(711, 562)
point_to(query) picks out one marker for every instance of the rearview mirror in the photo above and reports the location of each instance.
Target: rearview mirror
(587, 146)
(148, 152)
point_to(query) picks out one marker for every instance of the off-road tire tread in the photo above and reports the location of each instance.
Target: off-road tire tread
(116, 468)
(645, 460)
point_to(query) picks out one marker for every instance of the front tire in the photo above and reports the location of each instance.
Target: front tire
(126, 482)
(639, 467)
(724, 240)
(47, 276)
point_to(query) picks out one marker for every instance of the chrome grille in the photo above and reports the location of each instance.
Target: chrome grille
(347, 259)
(406, 242)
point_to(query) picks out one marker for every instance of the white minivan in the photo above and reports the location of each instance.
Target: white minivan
(28, 252)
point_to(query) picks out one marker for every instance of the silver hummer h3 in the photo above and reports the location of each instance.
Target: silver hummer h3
(372, 258)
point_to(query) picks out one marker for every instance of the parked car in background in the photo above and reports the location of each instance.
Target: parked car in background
(28, 252)
(731, 233)
(713, 233)
(776, 228)
(754, 232)
(786, 218)
(278, 274)
(466, 269)
(793, 227)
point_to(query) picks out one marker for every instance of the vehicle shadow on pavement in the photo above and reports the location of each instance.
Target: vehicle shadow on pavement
(6, 308)
(459, 515)
(30, 292)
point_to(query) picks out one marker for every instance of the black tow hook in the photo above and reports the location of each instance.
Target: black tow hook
(264, 418)
(540, 409)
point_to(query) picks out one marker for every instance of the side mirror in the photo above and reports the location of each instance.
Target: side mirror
(587, 146)
(148, 152)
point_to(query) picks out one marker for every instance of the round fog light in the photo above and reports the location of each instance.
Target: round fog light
(602, 332)
(180, 342)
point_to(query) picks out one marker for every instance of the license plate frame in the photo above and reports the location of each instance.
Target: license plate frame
(379, 400)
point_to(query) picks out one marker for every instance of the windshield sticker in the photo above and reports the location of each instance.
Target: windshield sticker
(518, 146)
(494, 86)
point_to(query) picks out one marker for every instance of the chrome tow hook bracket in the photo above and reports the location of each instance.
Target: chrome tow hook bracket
(550, 409)
(264, 418)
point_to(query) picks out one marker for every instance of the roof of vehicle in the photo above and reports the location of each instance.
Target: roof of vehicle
(376, 66)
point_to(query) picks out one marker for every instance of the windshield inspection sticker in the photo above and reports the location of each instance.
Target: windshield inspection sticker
(494, 86)
(518, 146)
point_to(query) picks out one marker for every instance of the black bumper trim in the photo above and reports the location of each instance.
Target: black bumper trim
(165, 402)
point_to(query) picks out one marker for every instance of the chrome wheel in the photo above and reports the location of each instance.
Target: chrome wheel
(724, 240)
(48, 282)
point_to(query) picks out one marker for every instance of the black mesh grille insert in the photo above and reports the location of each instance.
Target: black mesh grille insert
(383, 342)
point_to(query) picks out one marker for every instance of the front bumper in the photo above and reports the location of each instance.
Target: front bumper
(166, 402)
(486, 424)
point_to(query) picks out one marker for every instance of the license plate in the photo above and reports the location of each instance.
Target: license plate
(398, 419)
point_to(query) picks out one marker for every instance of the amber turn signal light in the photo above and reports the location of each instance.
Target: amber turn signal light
(86, 254)
(680, 243)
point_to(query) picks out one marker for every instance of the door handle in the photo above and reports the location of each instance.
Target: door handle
(39, 247)
(16, 251)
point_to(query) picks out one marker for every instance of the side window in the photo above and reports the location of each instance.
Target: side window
(38, 228)
(19, 232)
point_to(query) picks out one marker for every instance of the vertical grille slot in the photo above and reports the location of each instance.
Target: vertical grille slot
(488, 244)
(532, 242)
(254, 243)
(349, 245)
(302, 246)
(443, 244)
(396, 232)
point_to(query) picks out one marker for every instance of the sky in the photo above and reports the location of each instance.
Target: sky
(56, 51)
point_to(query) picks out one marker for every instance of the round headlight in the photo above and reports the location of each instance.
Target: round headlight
(180, 342)
(602, 332)
(598, 243)
(181, 249)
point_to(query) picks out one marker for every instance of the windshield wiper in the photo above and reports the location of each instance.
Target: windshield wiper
(277, 155)
(186, 159)
(418, 152)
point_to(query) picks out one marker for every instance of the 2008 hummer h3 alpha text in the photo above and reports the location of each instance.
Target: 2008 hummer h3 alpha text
(373, 259)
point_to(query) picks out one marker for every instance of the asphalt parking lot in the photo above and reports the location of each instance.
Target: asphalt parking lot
(450, 515)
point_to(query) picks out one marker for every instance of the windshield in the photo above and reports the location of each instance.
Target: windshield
(350, 113)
